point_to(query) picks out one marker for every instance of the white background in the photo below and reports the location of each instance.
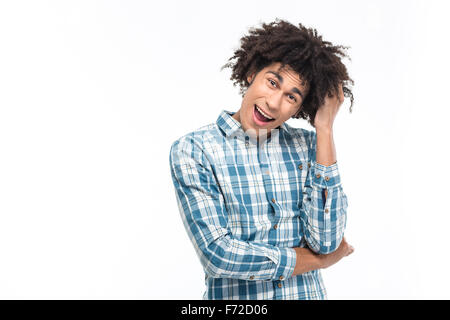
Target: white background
(93, 93)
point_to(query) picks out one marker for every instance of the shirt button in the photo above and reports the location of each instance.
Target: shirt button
(318, 175)
(273, 200)
(275, 227)
(267, 172)
(300, 166)
(326, 210)
(309, 165)
(279, 285)
(281, 278)
(252, 277)
(247, 144)
(327, 178)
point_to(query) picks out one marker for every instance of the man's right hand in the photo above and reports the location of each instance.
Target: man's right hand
(308, 260)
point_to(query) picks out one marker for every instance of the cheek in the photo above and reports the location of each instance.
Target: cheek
(287, 114)
(249, 99)
(258, 90)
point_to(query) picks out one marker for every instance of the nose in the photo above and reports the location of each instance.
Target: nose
(273, 101)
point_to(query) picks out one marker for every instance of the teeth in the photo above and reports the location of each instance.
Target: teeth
(262, 112)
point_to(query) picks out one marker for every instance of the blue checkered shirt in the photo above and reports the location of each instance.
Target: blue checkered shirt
(246, 204)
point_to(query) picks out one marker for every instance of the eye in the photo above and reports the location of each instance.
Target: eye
(273, 82)
(292, 98)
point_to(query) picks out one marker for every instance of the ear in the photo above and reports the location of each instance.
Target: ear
(297, 113)
(250, 79)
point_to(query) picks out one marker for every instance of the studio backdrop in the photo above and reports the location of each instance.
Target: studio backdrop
(93, 94)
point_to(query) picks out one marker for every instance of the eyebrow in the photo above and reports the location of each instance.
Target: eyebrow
(280, 78)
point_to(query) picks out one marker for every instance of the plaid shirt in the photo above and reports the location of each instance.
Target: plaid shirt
(246, 205)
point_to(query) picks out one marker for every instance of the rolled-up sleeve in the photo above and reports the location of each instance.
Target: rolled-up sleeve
(203, 211)
(323, 218)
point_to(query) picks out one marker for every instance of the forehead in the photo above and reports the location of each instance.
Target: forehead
(288, 74)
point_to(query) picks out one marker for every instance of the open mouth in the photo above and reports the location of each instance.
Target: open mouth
(261, 116)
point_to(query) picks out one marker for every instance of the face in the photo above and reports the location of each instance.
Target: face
(273, 97)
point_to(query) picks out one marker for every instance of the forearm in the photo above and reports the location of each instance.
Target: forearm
(326, 151)
(306, 261)
(323, 221)
(227, 257)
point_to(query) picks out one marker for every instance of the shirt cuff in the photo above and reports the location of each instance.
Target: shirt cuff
(326, 177)
(286, 264)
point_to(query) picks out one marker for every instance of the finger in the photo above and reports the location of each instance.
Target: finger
(351, 250)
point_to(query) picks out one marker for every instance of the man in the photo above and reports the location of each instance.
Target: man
(262, 202)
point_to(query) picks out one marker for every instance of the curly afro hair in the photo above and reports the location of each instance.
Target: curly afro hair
(318, 62)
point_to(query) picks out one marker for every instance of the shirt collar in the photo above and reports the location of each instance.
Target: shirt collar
(231, 127)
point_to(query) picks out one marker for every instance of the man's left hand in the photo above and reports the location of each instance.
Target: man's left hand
(327, 112)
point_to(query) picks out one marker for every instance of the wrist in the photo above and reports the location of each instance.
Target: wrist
(321, 262)
(307, 261)
(324, 130)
